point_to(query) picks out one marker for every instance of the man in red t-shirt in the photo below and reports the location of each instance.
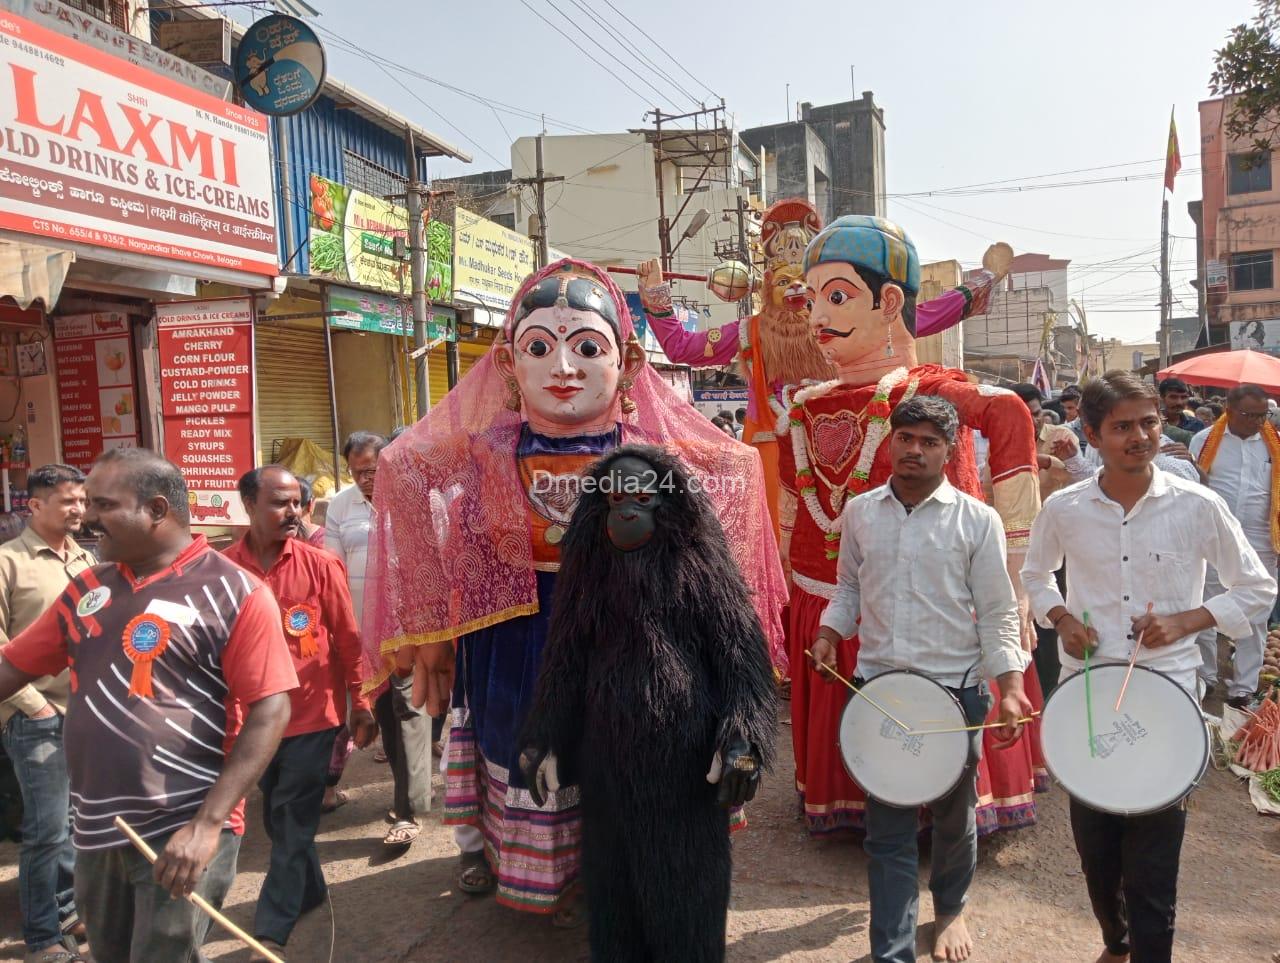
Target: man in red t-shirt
(315, 612)
(168, 648)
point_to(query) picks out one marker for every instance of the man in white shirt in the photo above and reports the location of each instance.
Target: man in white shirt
(934, 597)
(1135, 541)
(406, 731)
(1235, 454)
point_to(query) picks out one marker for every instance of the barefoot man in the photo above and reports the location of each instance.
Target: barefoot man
(918, 560)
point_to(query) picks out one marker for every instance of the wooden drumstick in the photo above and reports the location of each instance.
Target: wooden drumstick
(986, 725)
(858, 692)
(195, 898)
(1133, 659)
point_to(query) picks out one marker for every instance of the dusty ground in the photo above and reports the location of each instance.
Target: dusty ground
(793, 899)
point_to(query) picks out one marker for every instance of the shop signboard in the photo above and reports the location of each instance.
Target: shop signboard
(98, 151)
(352, 310)
(88, 29)
(712, 401)
(353, 238)
(1257, 335)
(489, 261)
(97, 396)
(206, 382)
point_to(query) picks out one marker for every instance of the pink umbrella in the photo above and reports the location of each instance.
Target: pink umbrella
(1226, 369)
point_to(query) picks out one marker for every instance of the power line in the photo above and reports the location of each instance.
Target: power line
(664, 50)
(583, 50)
(599, 46)
(633, 48)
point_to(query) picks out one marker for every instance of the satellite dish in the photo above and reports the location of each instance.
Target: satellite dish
(279, 66)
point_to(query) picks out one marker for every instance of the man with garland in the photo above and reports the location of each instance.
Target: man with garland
(862, 277)
(1240, 454)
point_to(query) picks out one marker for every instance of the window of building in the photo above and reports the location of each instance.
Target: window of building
(1252, 271)
(114, 12)
(1249, 173)
(364, 175)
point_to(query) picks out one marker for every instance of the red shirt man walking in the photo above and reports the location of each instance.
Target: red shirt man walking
(310, 586)
(169, 647)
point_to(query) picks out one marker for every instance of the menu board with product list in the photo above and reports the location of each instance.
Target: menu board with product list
(206, 381)
(97, 397)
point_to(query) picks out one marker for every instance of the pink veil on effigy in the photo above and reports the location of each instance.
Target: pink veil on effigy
(450, 546)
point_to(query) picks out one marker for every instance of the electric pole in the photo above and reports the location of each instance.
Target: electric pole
(414, 196)
(539, 183)
(707, 141)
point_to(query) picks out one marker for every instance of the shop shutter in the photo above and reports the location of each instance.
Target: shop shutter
(469, 352)
(293, 388)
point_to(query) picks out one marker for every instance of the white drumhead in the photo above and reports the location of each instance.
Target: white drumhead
(1146, 757)
(890, 763)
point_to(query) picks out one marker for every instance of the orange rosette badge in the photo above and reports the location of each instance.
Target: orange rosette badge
(300, 623)
(145, 639)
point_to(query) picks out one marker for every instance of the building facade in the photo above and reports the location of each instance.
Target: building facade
(833, 156)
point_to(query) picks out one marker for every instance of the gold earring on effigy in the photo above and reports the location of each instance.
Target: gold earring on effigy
(625, 403)
(513, 396)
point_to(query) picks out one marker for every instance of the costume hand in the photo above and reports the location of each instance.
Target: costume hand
(541, 773)
(737, 769)
(1158, 631)
(180, 865)
(1013, 706)
(824, 657)
(655, 294)
(433, 677)
(998, 258)
(1075, 637)
(363, 727)
(649, 273)
(1065, 448)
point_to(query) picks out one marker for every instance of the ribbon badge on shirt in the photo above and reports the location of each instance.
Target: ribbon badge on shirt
(300, 623)
(145, 639)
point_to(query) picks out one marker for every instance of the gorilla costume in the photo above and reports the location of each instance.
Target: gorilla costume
(656, 697)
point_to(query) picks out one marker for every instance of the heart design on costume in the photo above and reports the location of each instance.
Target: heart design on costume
(837, 439)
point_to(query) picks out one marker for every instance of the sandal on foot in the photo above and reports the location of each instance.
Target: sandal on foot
(340, 799)
(379, 755)
(402, 833)
(475, 877)
(571, 911)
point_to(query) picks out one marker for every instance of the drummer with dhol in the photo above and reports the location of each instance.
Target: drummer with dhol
(918, 559)
(1135, 540)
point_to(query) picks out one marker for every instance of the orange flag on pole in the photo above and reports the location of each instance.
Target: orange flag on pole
(1173, 160)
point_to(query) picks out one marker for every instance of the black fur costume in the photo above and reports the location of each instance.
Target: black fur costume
(655, 660)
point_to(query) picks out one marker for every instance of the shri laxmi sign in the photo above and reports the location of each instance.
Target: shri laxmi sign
(96, 150)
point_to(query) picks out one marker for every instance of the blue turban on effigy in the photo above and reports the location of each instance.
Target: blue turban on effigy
(871, 243)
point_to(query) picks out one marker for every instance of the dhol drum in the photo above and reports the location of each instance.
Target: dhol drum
(905, 767)
(1144, 758)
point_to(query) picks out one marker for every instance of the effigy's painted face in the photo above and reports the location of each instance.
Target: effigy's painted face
(847, 322)
(787, 289)
(568, 364)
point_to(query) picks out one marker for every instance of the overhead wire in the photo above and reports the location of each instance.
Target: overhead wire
(633, 48)
(586, 53)
(664, 50)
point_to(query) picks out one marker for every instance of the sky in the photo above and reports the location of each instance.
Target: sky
(1038, 96)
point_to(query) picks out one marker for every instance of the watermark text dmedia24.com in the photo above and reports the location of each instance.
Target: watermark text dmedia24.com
(648, 482)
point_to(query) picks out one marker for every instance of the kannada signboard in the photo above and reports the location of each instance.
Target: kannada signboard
(96, 393)
(712, 401)
(489, 260)
(353, 238)
(352, 310)
(103, 152)
(206, 381)
(88, 29)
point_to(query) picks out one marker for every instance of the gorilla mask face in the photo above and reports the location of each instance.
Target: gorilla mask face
(634, 494)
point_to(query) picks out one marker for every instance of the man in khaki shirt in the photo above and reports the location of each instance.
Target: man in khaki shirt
(35, 568)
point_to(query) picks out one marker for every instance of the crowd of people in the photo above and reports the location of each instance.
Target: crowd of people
(600, 593)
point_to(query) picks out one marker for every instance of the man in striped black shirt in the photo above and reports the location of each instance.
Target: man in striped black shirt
(170, 646)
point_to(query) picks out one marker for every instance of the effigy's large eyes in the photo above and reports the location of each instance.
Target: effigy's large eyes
(538, 348)
(589, 348)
